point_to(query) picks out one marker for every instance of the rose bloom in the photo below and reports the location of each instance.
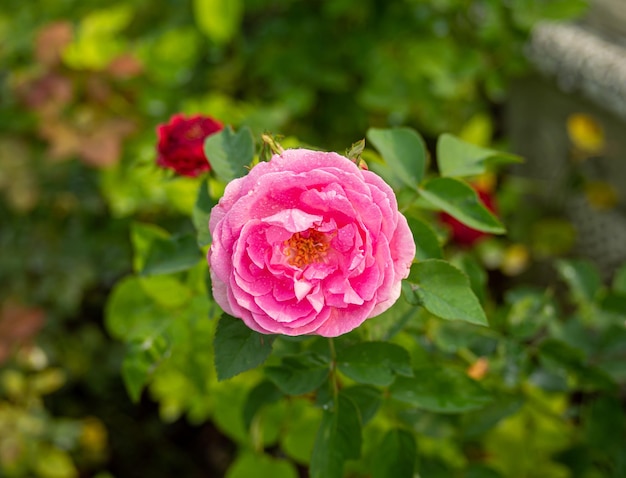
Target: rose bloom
(181, 143)
(463, 235)
(308, 243)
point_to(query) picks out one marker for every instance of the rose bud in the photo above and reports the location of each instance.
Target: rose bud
(181, 144)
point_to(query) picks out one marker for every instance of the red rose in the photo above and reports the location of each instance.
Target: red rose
(181, 143)
(464, 235)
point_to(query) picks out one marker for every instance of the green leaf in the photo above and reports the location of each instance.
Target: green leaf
(238, 348)
(403, 150)
(140, 362)
(582, 277)
(458, 199)
(298, 435)
(475, 271)
(603, 421)
(338, 439)
(374, 363)
(218, 19)
(298, 375)
(619, 280)
(261, 465)
(166, 290)
(366, 398)
(263, 393)
(131, 314)
(142, 236)
(440, 389)
(395, 456)
(458, 158)
(175, 254)
(572, 360)
(445, 292)
(201, 214)
(229, 153)
(477, 422)
(426, 243)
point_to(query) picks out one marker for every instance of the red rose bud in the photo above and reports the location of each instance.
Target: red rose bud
(464, 235)
(181, 143)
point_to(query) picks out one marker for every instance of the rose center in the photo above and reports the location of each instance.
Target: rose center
(195, 132)
(306, 247)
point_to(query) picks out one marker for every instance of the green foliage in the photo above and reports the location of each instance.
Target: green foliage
(201, 214)
(404, 152)
(425, 388)
(426, 242)
(338, 439)
(445, 292)
(238, 348)
(299, 374)
(427, 369)
(443, 390)
(230, 153)
(458, 158)
(374, 363)
(396, 455)
(459, 200)
(218, 19)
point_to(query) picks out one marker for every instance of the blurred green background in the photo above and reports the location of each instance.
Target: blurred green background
(83, 85)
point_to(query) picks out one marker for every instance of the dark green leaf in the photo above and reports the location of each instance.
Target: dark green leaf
(298, 374)
(479, 421)
(230, 153)
(572, 360)
(446, 292)
(582, 277)
(603, 421)
(440, 389)
(403, 150)
(338, 439)
(456, 157)
(263, 393)
(458, 199)
(238, 348)
(481, 471)
(395, 456)
(475, 272)
(366, 398)
(201, 214)
(426, 243)
(374, 363)
(175, 254)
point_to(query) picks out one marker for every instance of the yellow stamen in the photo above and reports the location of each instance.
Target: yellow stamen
(304, 248)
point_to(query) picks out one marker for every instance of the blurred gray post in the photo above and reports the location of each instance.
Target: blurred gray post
(580, 68)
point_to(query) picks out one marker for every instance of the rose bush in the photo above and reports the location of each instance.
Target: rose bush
(181, 143)
(308, 243)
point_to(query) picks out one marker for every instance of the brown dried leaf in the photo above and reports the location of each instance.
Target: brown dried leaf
(18, 324)
(51, 41)
(102, 148)
(125, 66)
(64, 141)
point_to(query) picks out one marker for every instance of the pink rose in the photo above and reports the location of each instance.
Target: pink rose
(308, 243)
(181, 143)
